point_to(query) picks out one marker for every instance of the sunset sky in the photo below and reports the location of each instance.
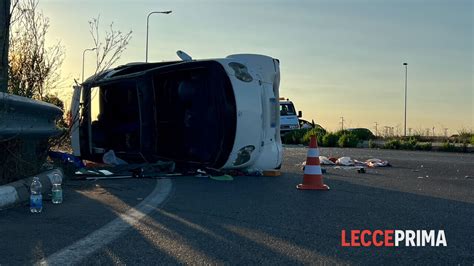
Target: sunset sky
(338, 58)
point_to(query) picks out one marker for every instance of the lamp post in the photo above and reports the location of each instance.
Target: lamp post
(147, 22)
(83, 53)
(406, 76)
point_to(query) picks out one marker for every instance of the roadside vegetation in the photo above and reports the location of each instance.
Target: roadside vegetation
(362, 137)
(342, 138)
(34, 71)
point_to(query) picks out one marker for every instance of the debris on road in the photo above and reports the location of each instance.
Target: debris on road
(271, 173)
(222, 178)
(65, 158)
(343, 167)
(110, 158)
(346, 161)
(325, 161)
(376, 163)
(108, 177)
(98, 171)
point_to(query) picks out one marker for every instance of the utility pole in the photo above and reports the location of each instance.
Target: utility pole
(342, 122)
(376, 131)
(406, 83)
(387, 131)
(446, 132)
(433, 131)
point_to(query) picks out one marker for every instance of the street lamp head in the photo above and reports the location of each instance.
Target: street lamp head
(160, 12)
(89, 49)
(405, 64)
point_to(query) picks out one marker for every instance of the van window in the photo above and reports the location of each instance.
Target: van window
(117, 125)
(287, 109)
(195, 114)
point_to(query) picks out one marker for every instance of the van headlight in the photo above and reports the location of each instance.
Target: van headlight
(241, 72)
(243, 155)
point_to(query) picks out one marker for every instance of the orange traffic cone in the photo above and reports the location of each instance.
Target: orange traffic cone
(313, 177)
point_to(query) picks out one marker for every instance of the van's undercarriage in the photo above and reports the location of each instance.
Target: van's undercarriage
(184, 112)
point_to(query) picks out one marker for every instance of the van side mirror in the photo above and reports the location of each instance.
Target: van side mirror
(300, 114)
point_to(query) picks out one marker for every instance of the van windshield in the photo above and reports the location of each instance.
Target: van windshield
(287, 109)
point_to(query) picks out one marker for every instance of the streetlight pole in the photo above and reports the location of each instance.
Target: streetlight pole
(147, 22)
(83, 53)
(406, 78)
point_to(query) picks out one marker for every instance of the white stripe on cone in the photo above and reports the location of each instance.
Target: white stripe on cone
(312, 170)
(313, 152)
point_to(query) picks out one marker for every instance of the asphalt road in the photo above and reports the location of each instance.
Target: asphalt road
(264, 220)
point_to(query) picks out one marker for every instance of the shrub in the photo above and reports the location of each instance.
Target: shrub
(472, 140)
(409, 144)
(302, 136)
(348, 140)
(318, 131)
(447, 146)
(362, 133)
(295, 136)
(330, 140)
(372, 144)
(393, 144)
(341, 132)
(424, 146)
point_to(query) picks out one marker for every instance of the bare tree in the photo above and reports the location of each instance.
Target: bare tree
(108, 50)
(34, 68)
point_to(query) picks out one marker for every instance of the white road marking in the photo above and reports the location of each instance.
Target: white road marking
(76, 252)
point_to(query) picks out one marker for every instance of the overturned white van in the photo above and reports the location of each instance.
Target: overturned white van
(222, 113)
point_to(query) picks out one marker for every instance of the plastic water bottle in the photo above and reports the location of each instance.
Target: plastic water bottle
(36, 199)
(56, 190)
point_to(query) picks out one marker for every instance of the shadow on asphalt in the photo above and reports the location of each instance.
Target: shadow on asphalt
(266, 220)
(251, 220)
(27, 238)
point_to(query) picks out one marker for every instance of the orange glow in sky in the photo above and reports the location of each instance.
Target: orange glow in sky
(338, 58)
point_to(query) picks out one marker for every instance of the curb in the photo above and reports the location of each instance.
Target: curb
(19, 191)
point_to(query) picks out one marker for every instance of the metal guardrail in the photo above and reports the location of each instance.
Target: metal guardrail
(27, 118)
